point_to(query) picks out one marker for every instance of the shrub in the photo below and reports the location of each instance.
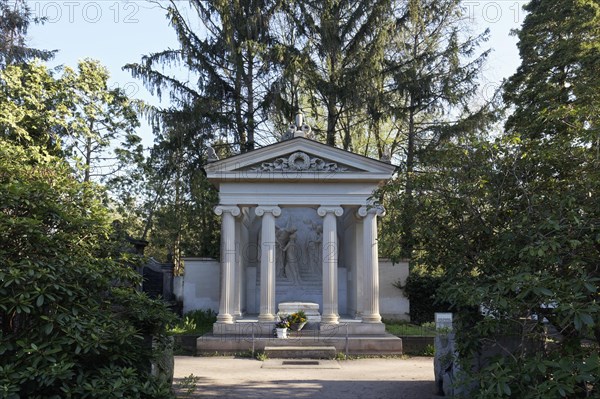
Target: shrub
(198, 321)
(421, 289)
(72, 323)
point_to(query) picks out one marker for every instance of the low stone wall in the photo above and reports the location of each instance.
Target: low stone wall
(202, 284)
(200, 288)
(393, 305)
(185, 344)
(416, 345)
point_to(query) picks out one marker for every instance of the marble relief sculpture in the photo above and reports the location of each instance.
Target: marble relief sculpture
(299, 247)
(299, 161)
(291, 260)
(314, 247)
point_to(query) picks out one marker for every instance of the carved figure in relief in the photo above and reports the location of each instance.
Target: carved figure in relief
(282, 236)
(291, 260)
(314, 248)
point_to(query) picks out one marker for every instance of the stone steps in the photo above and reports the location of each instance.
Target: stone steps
(300, 352)
(386, 344)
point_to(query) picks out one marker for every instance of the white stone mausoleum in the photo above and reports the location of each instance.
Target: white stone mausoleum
(298, 225)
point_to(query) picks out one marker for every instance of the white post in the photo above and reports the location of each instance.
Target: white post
(360, 268)
(370, 263)
(330, 263)
(267, 262)
(228, 261)
(237, 291)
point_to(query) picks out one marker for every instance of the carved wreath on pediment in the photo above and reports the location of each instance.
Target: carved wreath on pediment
(299, 161)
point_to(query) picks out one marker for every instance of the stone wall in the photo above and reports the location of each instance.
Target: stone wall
(201, 288)
(392, 302)
(201, 285)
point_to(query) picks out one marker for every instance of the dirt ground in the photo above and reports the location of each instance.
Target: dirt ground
(226, 377)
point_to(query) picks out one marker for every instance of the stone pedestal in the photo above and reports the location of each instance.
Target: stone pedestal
(311, 310)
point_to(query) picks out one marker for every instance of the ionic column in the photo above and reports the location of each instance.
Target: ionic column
(360, 268)
(267, 262)
(370, 300)
(330, 263)
(228, 261)
(237, 291)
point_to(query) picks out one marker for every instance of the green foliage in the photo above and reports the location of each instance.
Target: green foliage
(15, 18)
(35, 107)
(435, 82)
(102, 138)
(421, 289)
(72, 322)
(428, 351)
(514, 222)
(195, 322)
(188, 385)
(402, 328)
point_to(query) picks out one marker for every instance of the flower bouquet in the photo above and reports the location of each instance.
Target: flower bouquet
(297, 320)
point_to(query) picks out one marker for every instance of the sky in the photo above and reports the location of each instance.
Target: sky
(120, 32)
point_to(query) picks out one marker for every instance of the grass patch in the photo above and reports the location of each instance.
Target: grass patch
(405, 329)
(196, 322)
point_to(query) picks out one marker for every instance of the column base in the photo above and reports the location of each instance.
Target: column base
(371, 318)
(266, 318)
(225, 319)
(330, 319)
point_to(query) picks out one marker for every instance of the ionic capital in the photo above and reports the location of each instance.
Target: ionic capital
(234, 210)
(336, 210)
(260, 210)
(363, 211)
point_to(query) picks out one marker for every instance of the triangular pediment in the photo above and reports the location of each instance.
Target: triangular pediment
(300, 156)
(300, 161)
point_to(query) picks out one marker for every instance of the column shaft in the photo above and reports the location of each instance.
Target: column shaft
(267, 262)
(228, 261)
(360, 269)
(237, 291)
(330, 264)
(370, 264)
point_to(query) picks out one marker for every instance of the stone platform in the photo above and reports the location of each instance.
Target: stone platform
(382, 344)
(300, 352)
(249, 325)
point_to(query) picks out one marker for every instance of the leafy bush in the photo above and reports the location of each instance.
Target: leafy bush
(421, 289)
(198, 321)
(72, 323)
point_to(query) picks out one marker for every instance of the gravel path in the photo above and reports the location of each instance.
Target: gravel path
(226, 377)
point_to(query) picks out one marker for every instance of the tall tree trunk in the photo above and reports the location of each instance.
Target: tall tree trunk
(238, 109)
(332, 116)
(88, 155)
(250, 105)
(408, 217)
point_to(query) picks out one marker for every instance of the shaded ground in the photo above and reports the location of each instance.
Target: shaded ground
(225, 377)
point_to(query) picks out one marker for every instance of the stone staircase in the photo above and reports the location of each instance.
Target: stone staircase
(309, 290)
(300, 352)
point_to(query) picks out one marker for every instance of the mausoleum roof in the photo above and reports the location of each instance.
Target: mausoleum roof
(299, 159)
